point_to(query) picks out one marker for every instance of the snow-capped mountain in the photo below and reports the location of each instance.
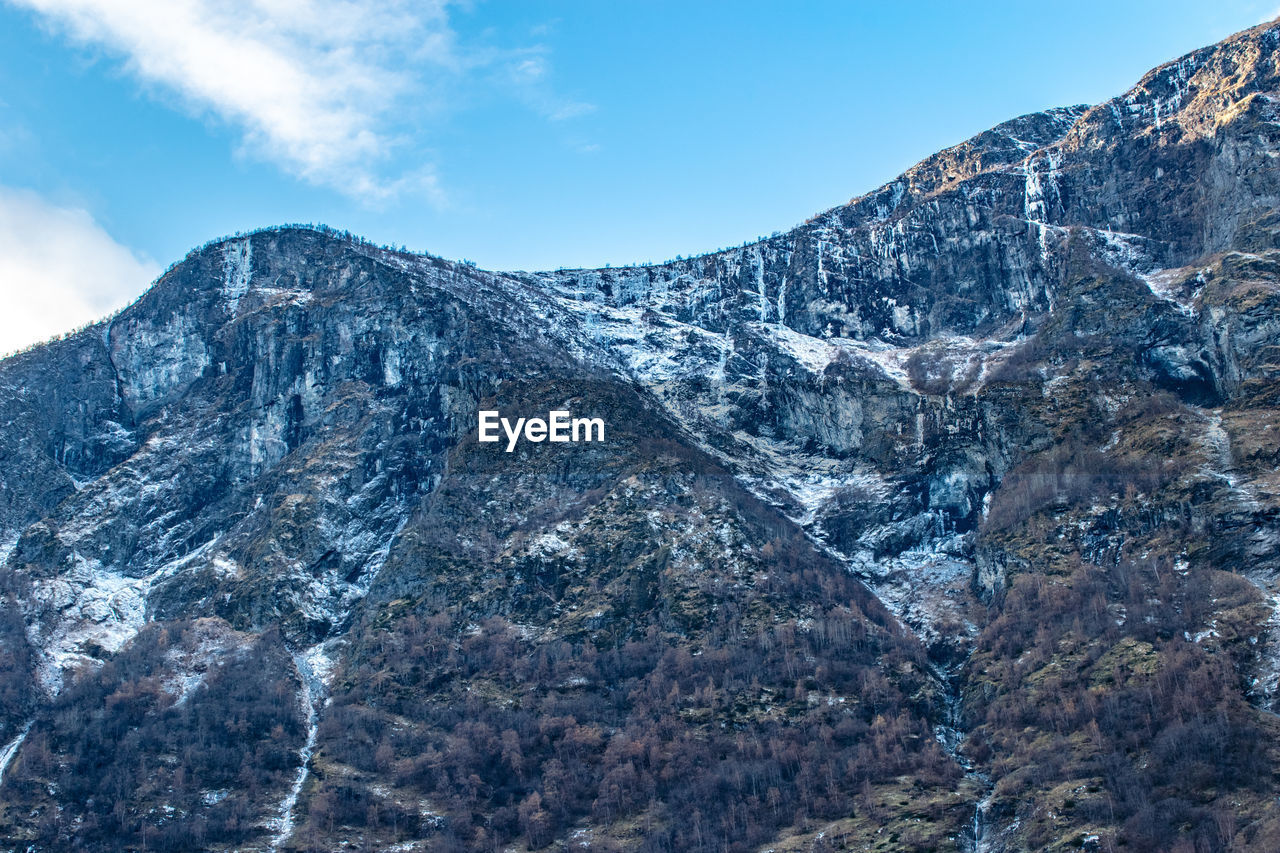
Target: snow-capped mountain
(946, 520)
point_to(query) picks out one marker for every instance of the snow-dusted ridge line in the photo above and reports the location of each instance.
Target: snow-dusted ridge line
(646, 346)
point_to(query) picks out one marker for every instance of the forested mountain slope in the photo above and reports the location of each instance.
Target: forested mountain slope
(946, 520)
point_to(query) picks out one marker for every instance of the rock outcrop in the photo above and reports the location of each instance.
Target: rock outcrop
(946, 520)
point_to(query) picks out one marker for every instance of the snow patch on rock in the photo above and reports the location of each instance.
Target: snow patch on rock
(11, 749)
(204, 647)
(88, 610)
(237, 272)
(315, 670)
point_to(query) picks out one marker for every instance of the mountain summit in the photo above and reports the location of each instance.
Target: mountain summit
(948, 520)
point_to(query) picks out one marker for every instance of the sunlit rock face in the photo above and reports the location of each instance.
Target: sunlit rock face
(945, 520)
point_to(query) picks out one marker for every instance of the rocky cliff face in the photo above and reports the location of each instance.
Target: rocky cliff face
(947, 520)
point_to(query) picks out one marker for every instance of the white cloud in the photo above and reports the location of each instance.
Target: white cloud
(527, 77)
(313, 84)
(59, 269)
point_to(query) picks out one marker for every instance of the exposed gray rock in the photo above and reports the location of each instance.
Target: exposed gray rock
(280, 434)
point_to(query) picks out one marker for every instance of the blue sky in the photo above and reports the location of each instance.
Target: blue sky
(520, 135)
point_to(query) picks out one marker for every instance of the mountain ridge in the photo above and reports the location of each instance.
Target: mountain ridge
(945, 479)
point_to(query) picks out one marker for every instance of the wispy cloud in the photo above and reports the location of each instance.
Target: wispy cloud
(528, 77)
(59, 269)
(316, 86)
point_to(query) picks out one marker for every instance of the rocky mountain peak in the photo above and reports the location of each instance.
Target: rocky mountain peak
(945, 520)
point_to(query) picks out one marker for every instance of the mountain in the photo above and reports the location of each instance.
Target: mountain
(948, 520)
